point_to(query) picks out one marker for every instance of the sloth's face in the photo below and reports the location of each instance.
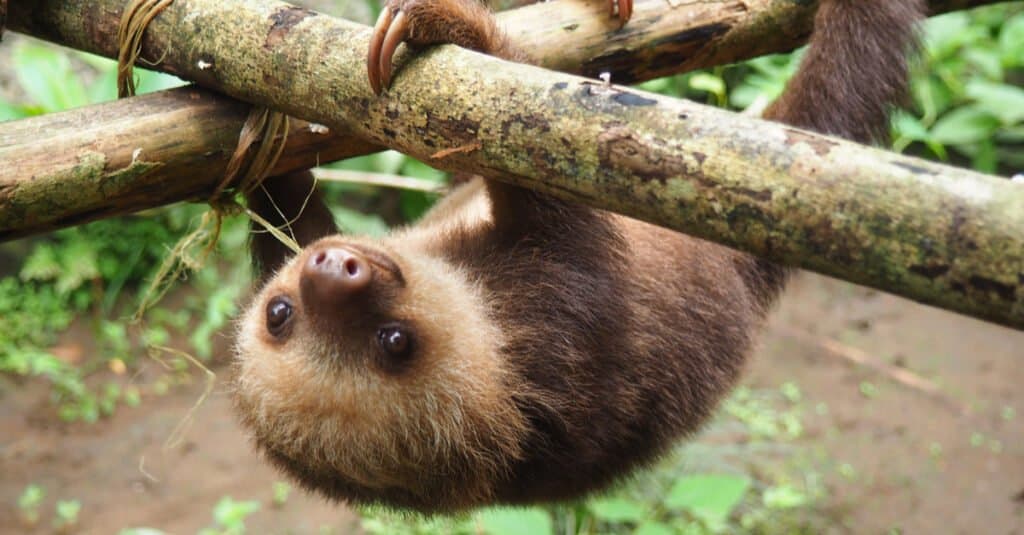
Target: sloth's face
(371, 374)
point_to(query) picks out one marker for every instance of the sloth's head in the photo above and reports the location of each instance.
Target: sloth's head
(373, 374)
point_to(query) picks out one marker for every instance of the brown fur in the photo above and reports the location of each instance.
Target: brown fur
(557, 346)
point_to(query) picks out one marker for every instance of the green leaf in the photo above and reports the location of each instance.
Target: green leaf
(932, 96)
(986, 59)
(617, 510)
(152, 81)
(516, 521)
(964, 125)
(45, 74)
(418, 169)
(415, 203)
(657, 85)
(67, 511)
(1011, 41)
(707, 82)
(353, 222)
(653, 528)
(944, 34)
(907, 126)
(41, 265)
(231, 514)
(9, 112)
(709, 497)
(1001, 100)
(784, 497)
(985, 158)
(31, 497)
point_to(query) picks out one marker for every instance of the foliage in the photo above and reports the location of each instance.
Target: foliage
(229, 516)
(67, 514)
(29, 502)
(967, 97)
(281, 492)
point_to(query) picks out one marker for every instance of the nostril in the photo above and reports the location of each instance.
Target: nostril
(351, 267)
(320, 258)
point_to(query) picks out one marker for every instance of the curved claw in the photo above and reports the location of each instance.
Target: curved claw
(389, 31)
(621, 9)
(376, 40)
(396, 34)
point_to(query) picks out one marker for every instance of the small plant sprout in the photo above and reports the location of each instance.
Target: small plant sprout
(868, 390)
(791, 391)
(66, 515)
(229, 516)
(281, 492)
(29, 503)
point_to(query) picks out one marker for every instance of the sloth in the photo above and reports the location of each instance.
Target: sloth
(510, 347)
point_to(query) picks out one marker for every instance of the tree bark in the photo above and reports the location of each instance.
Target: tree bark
(576, 36)
(137, 153)
(939, 235)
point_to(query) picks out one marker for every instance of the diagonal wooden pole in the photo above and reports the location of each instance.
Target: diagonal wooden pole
(943, 236)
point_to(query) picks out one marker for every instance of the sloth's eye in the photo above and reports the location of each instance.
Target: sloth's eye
(279, 314)
(395, 340)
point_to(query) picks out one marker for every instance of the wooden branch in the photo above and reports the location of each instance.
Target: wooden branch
(571, 35)
(939, 235)
(658, 29)
(124, 156)
(576, 36)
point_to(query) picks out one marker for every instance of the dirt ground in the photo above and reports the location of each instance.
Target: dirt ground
(950, 461)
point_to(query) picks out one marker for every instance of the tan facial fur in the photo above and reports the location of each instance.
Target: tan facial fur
(333, 411)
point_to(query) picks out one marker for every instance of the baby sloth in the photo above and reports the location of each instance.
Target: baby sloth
(511, 347)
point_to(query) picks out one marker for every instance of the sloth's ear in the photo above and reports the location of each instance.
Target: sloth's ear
(291, 203)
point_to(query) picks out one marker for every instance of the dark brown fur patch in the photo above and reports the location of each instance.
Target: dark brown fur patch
(855, 69)
(617, 337)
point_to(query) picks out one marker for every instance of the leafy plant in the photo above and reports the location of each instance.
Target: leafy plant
(967, 95)
(281, 492)
(28, 503)
(66, 514)
(229, 516)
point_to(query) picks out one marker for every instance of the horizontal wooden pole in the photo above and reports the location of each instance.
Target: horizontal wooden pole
(138, 153)
(573, 36)
(939, 235)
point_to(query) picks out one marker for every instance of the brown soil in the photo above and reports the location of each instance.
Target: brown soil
(925, 463)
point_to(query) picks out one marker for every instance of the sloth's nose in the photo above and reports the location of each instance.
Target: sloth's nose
(332, 274)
